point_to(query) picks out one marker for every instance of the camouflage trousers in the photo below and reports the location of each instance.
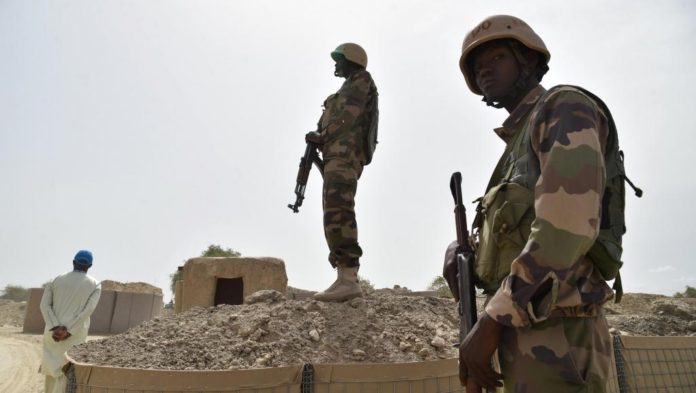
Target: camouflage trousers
(340, 228)
(560, 355)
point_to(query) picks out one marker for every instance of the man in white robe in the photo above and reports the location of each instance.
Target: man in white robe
(67, 303)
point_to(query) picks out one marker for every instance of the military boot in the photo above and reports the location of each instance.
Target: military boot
(345, 287)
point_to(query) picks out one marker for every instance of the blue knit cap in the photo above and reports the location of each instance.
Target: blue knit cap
(83, 258)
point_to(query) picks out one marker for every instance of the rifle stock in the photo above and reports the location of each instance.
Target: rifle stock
(311, 156)
(465, 261)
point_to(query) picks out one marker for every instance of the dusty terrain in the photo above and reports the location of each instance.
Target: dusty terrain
(12, 313)
(135, 287)
(386, 326)
(641, 314)
(20, 357)
(382, 327)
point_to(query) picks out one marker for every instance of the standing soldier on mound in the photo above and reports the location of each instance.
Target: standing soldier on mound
(537, 222)
(347, 135)
(66, 305)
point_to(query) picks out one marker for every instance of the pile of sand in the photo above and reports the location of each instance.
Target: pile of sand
(641, 314)
(385, 326)
(382, 327)
(12, 312)
(133, 287)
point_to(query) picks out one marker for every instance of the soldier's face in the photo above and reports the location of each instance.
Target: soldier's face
(496, 70)
(339, 68)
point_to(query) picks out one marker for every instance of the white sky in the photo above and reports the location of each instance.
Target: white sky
(147, 130)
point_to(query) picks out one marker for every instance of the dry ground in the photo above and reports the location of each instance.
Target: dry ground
(20, 357)
(638, 314)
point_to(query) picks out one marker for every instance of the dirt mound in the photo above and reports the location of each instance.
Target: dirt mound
(641, 314)
(385, 326)
(12, 313)
(379, 328)
(134, 287)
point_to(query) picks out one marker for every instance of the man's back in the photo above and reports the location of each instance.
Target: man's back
(70, 293)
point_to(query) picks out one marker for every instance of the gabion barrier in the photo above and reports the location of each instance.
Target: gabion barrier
(640, 364)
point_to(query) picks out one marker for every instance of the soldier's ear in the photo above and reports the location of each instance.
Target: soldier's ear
(532, 59)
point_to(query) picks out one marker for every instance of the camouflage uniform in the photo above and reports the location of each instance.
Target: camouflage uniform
(555, 337)
(343, 126)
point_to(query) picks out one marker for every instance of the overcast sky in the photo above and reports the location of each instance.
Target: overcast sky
(147, 130)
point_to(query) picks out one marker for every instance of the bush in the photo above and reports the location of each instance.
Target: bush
(688, 292)
(15, 292)
(439, 285)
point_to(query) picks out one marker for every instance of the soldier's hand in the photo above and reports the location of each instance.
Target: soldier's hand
(475, 354)
(449, 270)
(314, 137)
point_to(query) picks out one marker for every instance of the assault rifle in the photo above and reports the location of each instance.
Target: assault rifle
(311, 156)
(465, 270)
(465, 262)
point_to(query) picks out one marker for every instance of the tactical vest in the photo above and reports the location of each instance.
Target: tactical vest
(505, 214)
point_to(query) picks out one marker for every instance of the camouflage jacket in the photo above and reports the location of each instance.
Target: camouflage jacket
(345, 120)
(552, 276)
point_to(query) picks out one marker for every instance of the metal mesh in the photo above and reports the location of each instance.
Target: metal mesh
(660, 370)
(71, 386)
(307, 378)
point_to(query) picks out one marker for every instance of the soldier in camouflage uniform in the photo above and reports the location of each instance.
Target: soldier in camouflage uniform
(538, 219)
(347, 117)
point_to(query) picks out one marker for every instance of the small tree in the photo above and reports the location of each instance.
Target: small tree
(688, 292)
(15, 292)
(213, 250)
(216, 251)
(439, 285)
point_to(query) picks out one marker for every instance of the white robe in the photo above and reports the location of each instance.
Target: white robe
(68, 301)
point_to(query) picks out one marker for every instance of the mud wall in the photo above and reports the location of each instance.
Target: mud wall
(116, 311)
(201, 274)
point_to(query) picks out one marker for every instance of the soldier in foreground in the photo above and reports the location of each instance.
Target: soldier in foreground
(537, 222)
(346, 136)
(66, 305)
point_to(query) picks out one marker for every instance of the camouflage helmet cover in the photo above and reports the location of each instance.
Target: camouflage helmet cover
(351, 52)
(494, 28)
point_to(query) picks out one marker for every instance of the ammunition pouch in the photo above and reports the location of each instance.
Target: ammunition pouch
(505, 217)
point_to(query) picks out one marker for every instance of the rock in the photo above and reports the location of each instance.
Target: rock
(424, 353)
(314, 335)
(358, 354)
(246, 330)
(265, 295)
(357, 302)
(403, 346)
(438, 342)
(692, 326)
(312, 306)
(263, 361)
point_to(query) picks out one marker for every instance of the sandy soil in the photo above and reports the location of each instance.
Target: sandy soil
(134, 287)
(20, 357)
(386, 326)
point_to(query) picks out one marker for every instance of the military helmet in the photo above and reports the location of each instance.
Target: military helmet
(494, 28)
(351, 52)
